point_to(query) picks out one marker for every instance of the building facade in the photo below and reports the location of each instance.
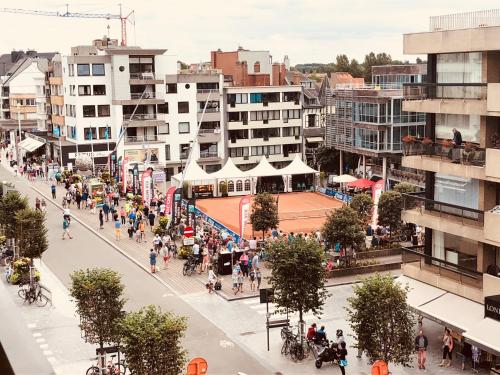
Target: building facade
(460, 209)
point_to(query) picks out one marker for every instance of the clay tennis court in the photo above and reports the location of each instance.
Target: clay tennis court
(298, 212)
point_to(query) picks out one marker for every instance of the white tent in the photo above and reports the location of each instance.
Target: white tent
(229, 170)
(297, 166)
(264, 169)
(344, 178)
(194, 174)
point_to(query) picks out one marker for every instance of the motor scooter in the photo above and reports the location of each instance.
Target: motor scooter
(329, 354)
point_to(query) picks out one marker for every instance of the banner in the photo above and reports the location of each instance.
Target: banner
(244, 213)
(124, 174)
(377, 190)
(191, 214)
(169, 200)
(176, 207)
(135, 180)
(147, 188)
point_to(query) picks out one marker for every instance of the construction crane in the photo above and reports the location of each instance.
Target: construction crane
(123, 19)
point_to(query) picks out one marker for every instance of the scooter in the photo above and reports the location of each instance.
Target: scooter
(329, 354)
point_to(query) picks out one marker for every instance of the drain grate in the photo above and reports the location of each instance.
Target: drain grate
(247, 333)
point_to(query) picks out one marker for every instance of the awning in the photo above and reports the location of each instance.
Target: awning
(484, 334)
(297, 166)
(30, 144)
(362, 183)
(314, 139)
(344, 178)
(419, 293)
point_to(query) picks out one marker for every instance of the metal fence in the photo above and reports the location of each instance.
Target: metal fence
(469, 20)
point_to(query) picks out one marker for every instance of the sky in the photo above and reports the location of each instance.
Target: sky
(305, 30)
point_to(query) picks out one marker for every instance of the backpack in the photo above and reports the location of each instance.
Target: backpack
(218, 285)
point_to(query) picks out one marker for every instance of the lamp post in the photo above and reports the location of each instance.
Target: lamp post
(18, 152)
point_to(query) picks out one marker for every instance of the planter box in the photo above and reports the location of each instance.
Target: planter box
(370, 254)
(363, 270)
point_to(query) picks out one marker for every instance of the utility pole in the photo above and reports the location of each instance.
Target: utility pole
(19, 126)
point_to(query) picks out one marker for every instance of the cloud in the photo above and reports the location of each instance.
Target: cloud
(305, 30)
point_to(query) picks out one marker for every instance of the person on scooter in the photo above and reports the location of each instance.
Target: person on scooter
(320, 336)
(311, 332)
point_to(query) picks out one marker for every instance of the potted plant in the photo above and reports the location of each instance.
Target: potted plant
(495, 141)
(408, 140)
(469, 152)
(427, 142)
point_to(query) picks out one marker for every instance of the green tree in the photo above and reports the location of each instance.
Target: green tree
(343, 226)
(264, 214)
(151, 342)
(162, 227)
(363, 205)
(405, 188)
(31, 233)
(9, 205)
(298, 276)
(382, 322)
(373, 60)
(327, 158)
(390, 205)
(342, 63)
(99, 302)
(355, 68)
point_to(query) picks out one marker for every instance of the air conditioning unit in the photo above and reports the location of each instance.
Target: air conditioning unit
(297, 137)
(265, 121)
(246, 157)
(232, 104)
(265, 104)
(245, 122)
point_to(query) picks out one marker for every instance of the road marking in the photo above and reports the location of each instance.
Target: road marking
(226, 344)
(40, 340)
(52, 360)
(37, 334)
(47, 353)
(167, 295)
(32, 325)
(44, 346)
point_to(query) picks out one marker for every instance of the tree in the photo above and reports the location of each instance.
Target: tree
(344, 227)
(390, 205)
(342, 63)
(327, 158)
(373, 60)
(382, 322)
(31, 233)
(355, 68)
(264, 213)
(150, 340)
(298, 276)
(9, 205)
(99, 302)
(363, 205)
(405, 188)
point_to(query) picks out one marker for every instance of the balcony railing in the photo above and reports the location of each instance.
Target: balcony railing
(141, 138)
(207, 91)
(140, 116)
(463, 275)
(467, 216)
(468, 20)
(147, 95)
(148, 75)
(208, 154)
(468, 154)
(209, 131)
(420, 91)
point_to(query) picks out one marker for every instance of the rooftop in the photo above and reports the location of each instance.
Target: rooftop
(468, 20)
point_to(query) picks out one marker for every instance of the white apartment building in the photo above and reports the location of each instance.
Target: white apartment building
(194, 99)
(263, 120)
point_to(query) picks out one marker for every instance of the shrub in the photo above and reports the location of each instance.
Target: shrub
(184, 252)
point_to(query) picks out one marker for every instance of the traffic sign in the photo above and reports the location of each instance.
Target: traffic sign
(188, 232)
(197, 366)
(188, 241)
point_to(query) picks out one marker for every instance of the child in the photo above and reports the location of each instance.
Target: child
(258, 275)
(240, 282)
(252, 280)
(166, 256)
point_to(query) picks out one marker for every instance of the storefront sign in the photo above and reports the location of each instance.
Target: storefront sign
(492, 307)
(144, 155)
(159, 176)
(96, 154)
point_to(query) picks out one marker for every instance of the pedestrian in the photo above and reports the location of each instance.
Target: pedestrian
(101, 220)
(234, 277)
(53, 190)
(244, 263)
(157, 243)
(240, 281)
(466, 354)
(447, 348)
(116, 197)
(255, 261)
(123, 215)
(151, 218)
(130, 229)
(166, 256)
(37, 204)
(211, 280)
(78, 199)
(118, 225)
(253, 279)
(342, 352)
(421, 343)
(105, 208)
(43, 205)
(142, 230)
(152, 260)
(66, 228)
(258, 275)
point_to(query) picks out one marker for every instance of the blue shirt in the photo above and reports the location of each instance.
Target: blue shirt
(230, 246)
(152, 257)
(118, 224)
(65, 224)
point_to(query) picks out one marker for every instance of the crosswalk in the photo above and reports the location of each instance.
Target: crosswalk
(260, 308)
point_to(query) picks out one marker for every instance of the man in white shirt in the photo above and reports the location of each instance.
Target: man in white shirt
(252, 244)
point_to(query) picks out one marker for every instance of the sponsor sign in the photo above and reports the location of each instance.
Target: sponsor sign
(97, 154)
(244, 213)
(176, 207)
(124, 173)
(144, 155)
(188, 241)
(191, 214)
(169, 200)
(147, 188)
(492, 307)
(135, 180)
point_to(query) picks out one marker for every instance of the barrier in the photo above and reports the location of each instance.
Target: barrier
(345, 198)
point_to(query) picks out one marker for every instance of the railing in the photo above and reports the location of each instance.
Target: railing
(442, 267)
(209, 131)
(208, 154)
(467, 216)
(141, 116)
(147, 95)
(421, 91)
(467, 154)
(141, 138)
(469, 20)
(207, 91)
(400, 175)
(147, 75)
(209, 110)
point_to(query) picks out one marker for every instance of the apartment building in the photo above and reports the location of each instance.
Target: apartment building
(369, 124)
(455, 276)
(195, 98)
(263, 120)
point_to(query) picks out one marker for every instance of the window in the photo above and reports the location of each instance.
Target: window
(236, 152)
(247, 185)
(72, 90)
(264, 115)
(30, 102)
(183, 127)
(83, 69)
(103, 110)
(71, 132)
(256, 67)
(84, 90)
(291, 114)
(97, 69)
(468, 125)
(211, 168)
(238, 98)
(239, 185)
(99, 89)
(164, 129)
(162, 108)
(71, 70)
(105, 132)
(230, 186)
(266, 133)
(167, 152)
(171, 88)
(266, 150)
(256, 97)
(88, 110)
(90, 133)
(292, 131)
(184, 150)
(208, 150)
(70, 110)
(291, 97)
(183, 107)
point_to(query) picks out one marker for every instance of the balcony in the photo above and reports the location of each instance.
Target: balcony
(209, 154)
(147, 95)
(144, 79)
(207, 94)
(442, 274)
(454, 98)
(142, 119)
(209, 135)
(440, 157)
(401, 176)
(141, 139)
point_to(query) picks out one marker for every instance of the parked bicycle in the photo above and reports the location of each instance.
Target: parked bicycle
(35, 293)
(189, 266)
(111, 368)
(292, 344)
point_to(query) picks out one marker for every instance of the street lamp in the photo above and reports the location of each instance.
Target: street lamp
(19, 141)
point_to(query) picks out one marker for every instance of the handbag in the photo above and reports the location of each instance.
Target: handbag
(343, 362)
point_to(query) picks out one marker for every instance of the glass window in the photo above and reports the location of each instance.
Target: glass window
(230, 186)
(459, 68)
(97, 69)
(83, 69)
(171, 88)
(454, 249)
(167, 152)
(90, 133)
(71, 70)
(105, 132)
(99, 89)
(247, 185)
(183, 107)
(183, 127)
(256, 98)
(236, 152)
(164, 129)
(103, 110)
(239, 185)
(184, 150)
(84, 90)
(88, 111)
(468, 125)
(162, 108)
(72, 90)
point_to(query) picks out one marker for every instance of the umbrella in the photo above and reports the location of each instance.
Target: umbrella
(362, 183)
(344, 178)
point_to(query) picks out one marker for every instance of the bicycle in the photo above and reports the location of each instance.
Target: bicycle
(111, 369)
(189, 266)
(34, 293)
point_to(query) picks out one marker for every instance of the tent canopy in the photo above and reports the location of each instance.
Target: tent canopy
(362, 183)
(264, 169)
(297, 166)
(344, 178)
(194, 173)
(229, 170)
(30, 144)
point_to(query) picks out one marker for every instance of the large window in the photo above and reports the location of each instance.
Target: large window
(105, 132)
(291, 114)
(183, 107)
(459, 68)
(99, 89)
(456, 190)
(171, 88)
(84, 90)
(266, 133)
(88, 111)
(167, 152)
(72, 90)
(468, 125)
(71, 70)
(98, 69)
(264, 115)
(370, 112)
(183, 127)
(83, 69)
(184, 150)
(369, 139)
(399, 132)
(141, 64)
(238, 98)
(402, 117)
(236, 152)
(164, 129)
(162, 108)
(266, 150)
(208, 150)
(291, 131)
(256, 97)
(455, 249)
(90, 133)
(103, 110)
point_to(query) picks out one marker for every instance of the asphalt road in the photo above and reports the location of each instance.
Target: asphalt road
(86, 250)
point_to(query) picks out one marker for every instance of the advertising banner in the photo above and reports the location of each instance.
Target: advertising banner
(147, 188)
(135, 180)
(176, 207)
(169, 197)
(144, 155)
(244, 213)
(377, 190)
(124, 174)
(191, 214)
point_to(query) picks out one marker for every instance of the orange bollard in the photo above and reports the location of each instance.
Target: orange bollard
(197, 366)
(380, 368)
